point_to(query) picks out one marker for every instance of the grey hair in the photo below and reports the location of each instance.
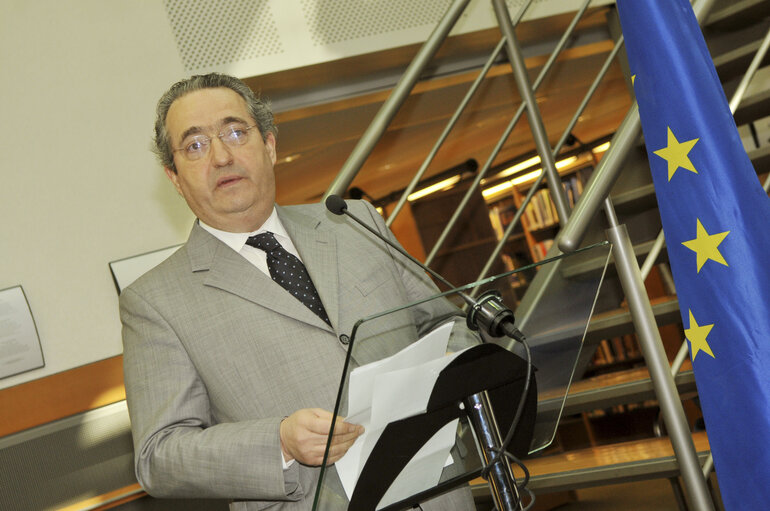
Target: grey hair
(259, 109)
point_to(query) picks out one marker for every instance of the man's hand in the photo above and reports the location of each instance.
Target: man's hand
(304, 434)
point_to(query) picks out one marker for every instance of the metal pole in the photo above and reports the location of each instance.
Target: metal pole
(679, 359)
(741, 90)
(501, 481)
(702, 8)
(602, 180)
(389, 109)
(468, 95)
(589, 95)
(657, 362)
(533, 111)
(652, 256)
(469, 193)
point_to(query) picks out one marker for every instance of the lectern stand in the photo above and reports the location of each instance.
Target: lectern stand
(479, 393)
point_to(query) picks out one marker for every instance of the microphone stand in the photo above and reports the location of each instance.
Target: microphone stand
(490, 313)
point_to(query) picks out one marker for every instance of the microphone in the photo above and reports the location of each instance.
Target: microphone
(488, 311)
(337, 205)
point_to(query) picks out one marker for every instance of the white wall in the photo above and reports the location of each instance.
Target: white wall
(79, 187)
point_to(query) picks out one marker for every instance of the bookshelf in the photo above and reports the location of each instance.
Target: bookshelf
(540, 220)
(467, 247)
(516, 252)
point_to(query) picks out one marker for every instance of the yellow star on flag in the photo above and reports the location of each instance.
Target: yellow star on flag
(706, 245)
(675, 153)
(697, 334)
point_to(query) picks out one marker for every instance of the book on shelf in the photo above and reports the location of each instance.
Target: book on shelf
(534, 213)
(495, 218)
(501, 215)
(604, 354)
(539, 214)
(541, 210)
(573, 185)
(541, 248)
(599, 358)
(631, 346)
(617, 349)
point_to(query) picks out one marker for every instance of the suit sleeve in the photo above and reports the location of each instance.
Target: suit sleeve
(179, 449)
(418, 285)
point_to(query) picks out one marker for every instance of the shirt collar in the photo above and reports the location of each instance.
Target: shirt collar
(236, 240)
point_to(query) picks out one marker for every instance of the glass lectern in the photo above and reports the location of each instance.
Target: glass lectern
(417, 402)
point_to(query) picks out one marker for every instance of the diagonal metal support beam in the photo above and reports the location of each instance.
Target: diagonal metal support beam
(401, 91)
(444, 134)
(533, 111)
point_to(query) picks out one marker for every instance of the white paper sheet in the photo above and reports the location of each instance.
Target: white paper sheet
(19, 343)
(391, 389)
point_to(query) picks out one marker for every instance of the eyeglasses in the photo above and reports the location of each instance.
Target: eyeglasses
(196, 147)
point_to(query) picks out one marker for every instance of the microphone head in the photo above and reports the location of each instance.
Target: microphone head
(336, 204)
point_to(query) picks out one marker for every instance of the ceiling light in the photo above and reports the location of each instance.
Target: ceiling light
(290, 158)
(529, 176)
(520, 166)
(441, 185)
(524, 178)
(494, 190)
(565, 162)
(601, 148)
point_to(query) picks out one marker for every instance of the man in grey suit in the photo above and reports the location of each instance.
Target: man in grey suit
(229, 378)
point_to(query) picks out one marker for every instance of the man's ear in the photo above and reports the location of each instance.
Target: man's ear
(270, 146)
(173, 177)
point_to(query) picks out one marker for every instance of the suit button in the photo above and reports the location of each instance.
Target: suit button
(344, 339)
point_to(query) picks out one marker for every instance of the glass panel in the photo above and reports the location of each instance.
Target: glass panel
(411, 396)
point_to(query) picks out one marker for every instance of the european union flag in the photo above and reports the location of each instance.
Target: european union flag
(716, 219)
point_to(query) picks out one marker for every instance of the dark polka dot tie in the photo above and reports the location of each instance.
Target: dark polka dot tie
(289, 272)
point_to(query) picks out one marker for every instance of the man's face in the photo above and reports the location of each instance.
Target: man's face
(230, 188)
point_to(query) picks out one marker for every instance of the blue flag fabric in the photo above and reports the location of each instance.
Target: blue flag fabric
(716, 219)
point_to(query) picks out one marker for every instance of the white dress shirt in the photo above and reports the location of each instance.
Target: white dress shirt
(257, 257)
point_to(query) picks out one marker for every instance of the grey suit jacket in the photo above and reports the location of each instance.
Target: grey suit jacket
(216, 354)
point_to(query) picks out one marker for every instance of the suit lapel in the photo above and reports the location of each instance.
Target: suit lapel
(229, 271)
(317, 248)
